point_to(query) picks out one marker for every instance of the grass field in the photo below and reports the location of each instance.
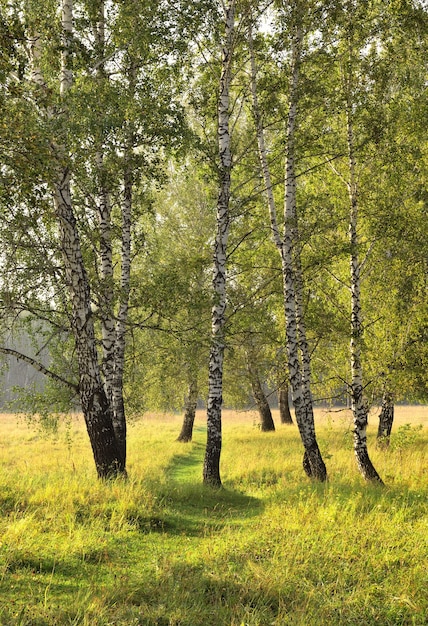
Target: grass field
(271, 548)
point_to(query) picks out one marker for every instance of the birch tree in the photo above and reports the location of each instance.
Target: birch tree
(93, 153)
(95, 405)
(358, 403)
(288, 248)
(211, 469)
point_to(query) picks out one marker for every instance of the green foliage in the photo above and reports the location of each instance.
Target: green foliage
(405, 437)
(155, 79)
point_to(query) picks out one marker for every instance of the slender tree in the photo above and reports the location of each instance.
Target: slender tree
(211, 469)
(190, 404)
(288, 248)
(95, 405)
(358, 402)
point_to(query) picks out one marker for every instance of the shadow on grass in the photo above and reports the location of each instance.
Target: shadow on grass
(195, 510)
(191, 508)
(196, 595)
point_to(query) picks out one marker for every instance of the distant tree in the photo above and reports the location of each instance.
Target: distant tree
(190, 404)
(261, 401)
(284, 404)
(386, 419)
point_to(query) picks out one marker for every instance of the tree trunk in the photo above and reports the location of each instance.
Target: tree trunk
(113, 326)
(119, 419)
(386, 419)
(266, 423)
(358, 404)
(105, 252)
(95, 405)
(284, 405)
(266, 420)
(299, 374)
(190, 404)
(211, 471)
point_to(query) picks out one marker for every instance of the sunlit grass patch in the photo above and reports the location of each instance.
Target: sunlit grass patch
(272, 547)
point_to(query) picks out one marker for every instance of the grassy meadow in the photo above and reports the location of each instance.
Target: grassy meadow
(271, 548)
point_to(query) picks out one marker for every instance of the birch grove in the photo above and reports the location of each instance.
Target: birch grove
(140, 141)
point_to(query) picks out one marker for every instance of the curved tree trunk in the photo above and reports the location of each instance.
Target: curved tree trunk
(211, 470)
(95, 405)
(284, 405)
(288, 247)
(190, 405)
(386, 419)
(359, 405)
(266, 420)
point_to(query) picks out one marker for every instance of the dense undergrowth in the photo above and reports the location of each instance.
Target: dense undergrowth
(271, 548)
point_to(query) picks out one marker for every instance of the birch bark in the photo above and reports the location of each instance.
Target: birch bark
(211, 470)
(105, 252)
(113, 325)
(119, 419)
(288, 248)
(190, 405)
(358, 403)
(386, 418)
(95, 406)
(266, 420)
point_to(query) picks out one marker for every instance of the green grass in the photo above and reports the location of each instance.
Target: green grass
(271, 548)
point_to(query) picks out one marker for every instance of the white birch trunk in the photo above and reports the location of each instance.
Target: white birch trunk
(112, 326)
(211, 470)
(296, 343)
(106, 301)
(95, 405)
(119, 419)
(105, 252)
(358, 403)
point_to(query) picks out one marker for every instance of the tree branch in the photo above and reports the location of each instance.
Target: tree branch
(39, 367)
